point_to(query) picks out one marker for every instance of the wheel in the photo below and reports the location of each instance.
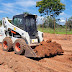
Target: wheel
(7, 44)
(19, 46)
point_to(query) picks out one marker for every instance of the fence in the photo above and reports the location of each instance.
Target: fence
(56, 27)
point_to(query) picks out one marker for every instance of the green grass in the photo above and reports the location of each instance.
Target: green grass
(57, 30)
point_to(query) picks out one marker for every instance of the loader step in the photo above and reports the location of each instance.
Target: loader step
(34, 44)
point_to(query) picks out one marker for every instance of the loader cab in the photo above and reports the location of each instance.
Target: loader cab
(27, 23)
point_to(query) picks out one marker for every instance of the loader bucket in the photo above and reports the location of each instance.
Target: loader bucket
(45, 48)
(48, 49)
(29, 52)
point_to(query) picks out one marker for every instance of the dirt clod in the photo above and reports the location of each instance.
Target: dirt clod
(1, 63)
(48, 48)
(48, 41)
(70, 58)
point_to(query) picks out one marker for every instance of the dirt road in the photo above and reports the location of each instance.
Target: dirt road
(10, 62)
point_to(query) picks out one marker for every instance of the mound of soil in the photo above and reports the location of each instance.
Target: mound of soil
(48, 48)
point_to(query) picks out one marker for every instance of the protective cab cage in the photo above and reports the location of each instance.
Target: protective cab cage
(26, 22)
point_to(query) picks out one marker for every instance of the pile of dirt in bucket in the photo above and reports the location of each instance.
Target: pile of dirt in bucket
(48, 48)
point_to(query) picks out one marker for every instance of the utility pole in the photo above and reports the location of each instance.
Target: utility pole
(54, 25)
(66, 26)
(42, 27)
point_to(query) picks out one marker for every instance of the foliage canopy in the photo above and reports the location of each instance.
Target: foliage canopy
(50, 7)
(26, 13)
(69, 23)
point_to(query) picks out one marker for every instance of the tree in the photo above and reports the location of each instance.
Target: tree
(50, 7)
(7, 17)
(26, 13)
(69, 23)
(0, 22)
(49, 22)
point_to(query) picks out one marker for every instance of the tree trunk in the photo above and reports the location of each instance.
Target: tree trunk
(70, 28)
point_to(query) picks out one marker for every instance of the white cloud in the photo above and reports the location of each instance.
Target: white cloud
(18, 6)
(1, 11)
(62, 13)
(65, 15)
(10, 5)
(27, 3)
(63, 0)
(40, 20)
(62, 20)
(23, 3)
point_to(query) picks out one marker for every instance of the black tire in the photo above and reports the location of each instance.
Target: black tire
(19, 46)
(7, 44)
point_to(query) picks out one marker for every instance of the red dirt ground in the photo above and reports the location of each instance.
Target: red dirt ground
(10, 62)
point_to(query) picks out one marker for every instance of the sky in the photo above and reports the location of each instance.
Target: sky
(9, 8)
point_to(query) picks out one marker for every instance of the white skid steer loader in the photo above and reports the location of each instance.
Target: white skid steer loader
(20, 35)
